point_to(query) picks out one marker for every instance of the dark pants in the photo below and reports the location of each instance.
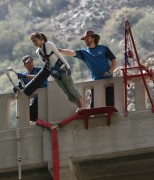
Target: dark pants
(34, 109)
(109, 96)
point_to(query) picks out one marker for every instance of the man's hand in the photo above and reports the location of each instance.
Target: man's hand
(55, 126)
(107, 74)
(21, 75)
(15, 89)
(69, 72)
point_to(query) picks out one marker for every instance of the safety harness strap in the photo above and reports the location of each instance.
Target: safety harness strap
(57, 66)
(45, 56)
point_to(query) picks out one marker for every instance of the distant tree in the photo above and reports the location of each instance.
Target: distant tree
(3, 11)
(144, 32)
(22, 48)
(12, 29)
(18, 11)
(42, 8)
(113, 30)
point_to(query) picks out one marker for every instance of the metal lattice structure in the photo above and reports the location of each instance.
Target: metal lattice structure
(133, 67)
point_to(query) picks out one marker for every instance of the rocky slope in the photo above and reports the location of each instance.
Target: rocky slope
(88, 14)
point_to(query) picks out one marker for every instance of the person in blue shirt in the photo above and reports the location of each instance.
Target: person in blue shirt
(26, 77)
(99, 59)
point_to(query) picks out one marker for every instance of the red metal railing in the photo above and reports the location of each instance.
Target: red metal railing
(131, 53)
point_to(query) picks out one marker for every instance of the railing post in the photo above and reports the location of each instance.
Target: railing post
(99, 93)
(5, 110)
(139, 94)
(42, 103)
(23, 109)
(119, 94)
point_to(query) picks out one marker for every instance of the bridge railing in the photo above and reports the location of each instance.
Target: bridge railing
(54, 106)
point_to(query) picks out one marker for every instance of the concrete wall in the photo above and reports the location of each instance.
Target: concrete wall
(125, 133)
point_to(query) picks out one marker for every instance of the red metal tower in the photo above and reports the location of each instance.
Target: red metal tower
(139, 69)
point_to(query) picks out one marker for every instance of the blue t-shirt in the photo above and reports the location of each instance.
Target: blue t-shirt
(97, 60)
(34, 72)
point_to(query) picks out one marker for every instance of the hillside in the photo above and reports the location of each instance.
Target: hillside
(64, 22)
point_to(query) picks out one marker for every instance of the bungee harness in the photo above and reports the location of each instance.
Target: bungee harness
(58, 66)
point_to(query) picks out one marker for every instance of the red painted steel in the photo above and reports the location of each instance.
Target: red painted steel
(83, 114)
(55, 148)
(86, 113)
(131, 52)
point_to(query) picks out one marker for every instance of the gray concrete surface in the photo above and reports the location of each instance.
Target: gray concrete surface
(133, 132)
(128, 165)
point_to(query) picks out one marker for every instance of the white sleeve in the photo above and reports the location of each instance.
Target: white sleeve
(37, 52)
(57, 53)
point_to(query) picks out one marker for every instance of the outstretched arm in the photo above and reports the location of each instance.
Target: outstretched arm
(58, 54)
(67, 52)
(23, 76)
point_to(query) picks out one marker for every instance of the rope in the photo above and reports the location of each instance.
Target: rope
(55, 147)
(55, 155)
(69, 119)
(54, 137)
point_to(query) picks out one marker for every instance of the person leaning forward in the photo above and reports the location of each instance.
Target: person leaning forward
(59, 67)
(99, 59)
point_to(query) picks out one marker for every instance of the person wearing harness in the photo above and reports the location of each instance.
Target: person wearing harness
(59, 67)
(99, 59)
(26, 77)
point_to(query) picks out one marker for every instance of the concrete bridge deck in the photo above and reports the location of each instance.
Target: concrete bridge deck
(125, 134)
(130, 165)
